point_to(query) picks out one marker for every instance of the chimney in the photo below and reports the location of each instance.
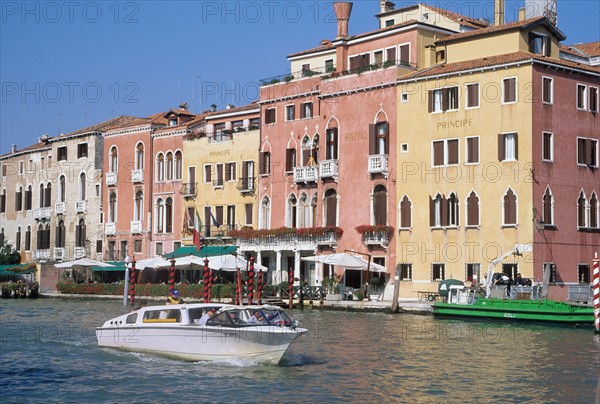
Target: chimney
(13, 148)
(498, 12)
(213, 107)
(184, 106)
(521, 14)
(342, 14)
(386, 6)
(229, 106)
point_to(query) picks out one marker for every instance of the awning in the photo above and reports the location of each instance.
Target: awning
(116, 266)
(206, 251)
(13, 269)
(346, 261)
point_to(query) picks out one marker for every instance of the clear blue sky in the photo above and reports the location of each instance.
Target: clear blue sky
(67, 65)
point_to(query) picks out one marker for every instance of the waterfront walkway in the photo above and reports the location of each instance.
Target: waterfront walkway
(404, 305)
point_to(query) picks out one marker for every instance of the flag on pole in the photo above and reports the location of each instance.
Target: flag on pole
(214, 219)
(196, 237)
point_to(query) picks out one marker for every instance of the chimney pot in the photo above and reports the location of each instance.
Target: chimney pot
(342, 14)
(14, 148)
(386, 6)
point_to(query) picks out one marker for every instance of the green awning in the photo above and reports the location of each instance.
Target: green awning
(118, 266)
(206, 251)
(8, 269)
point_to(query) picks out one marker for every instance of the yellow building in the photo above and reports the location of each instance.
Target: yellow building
(476, 157)
(220, 168)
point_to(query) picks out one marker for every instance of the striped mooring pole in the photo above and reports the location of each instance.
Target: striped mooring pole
(238, 287)
(251, 281)
(205, 280)
(291, 286)
(172, 275)
(210, 280)
(132, 277)
(596, 294)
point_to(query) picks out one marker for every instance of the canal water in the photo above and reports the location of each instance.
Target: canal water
(49, 354)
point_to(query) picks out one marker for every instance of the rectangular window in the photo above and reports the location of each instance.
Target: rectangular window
(230, 171)
(98, 246)
(390, 55)
(82, 150)
(306, 110)
(270, 116)
(539, 44)
(438, 272)
(61, 152)
(329, 66)
(593, 98)
(510, 270)
(389, 23)
(472, 95)
(507, 146)
(581, 96)
(207, 173)
(21, 169)
(472, 150)
(230, 216)
(219, 181)
(137, 246)
(547, 90)
(445, 152)
(547, 146)
(159, 249)
(472, 272)
(587, 152)
(5, 169)
(550, 266)
(405, 270)
(290, 111)
(248, 215)
(404, 54)
(290, 160)
(583, 273)
(509, 90)
(378, 57)
(443, 99)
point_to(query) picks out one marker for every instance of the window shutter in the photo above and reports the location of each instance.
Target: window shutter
(438, 153)
(387, 138)
(288, 159)
(453, 151)
(516, 146)
(445, 99)
(391, 55)
(501, 152)
(354, 62)
(261, 162)
(587, 152)
(248, 213)
(372, 139)
(430, 101)
(431, 212)
(445, 212)
(473, 207)
(47, 197)
(331, 210)
(404, 56)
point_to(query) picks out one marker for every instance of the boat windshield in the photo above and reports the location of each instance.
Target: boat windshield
(249, 317)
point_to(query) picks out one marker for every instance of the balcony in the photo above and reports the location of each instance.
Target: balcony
(136, 227)
(246, 184)
(306, 174)
(137, 176)
(328, 168)
(60, 253)
(79, 252)
(380, 238)
(378, 164)
(110, 229)
(42, 213)
(80, 206)
(60, 208)
(111, 179)
(218, 183)
(41, 255)
(305, 238)
(189, 190)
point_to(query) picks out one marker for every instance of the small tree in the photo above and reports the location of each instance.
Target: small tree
(9, 255)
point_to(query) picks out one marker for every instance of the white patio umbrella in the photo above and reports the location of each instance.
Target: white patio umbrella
(188, 262)
(229, 262)
(154, 262)
(346, 261)
(83, 263)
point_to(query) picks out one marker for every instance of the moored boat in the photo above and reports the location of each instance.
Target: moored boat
(465, 302)
(203, 332)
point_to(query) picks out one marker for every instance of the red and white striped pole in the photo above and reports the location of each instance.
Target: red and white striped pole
(596, 284)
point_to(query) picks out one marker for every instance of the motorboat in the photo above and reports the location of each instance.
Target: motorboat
(203, 332)
(467, 302)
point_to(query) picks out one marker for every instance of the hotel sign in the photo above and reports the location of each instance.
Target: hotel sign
(222, 153)
(353, 137)
(457, 123)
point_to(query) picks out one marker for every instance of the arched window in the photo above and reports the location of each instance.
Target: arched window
(18, 239)
(169, 166)
(315, 148)
(48, 196)
(40, 237)
(138, 206)
(29, 198)
(46, 240)
(19, 199)
(405, 213)
(437, 211)
(62, 189)
(160, 215)
(265, 213)
(292, 211)
(548, 207)
(60, 234)
(330, 208)
(594, 212)
(139, 156)
(114, 160)
(331, 148)
(473, 209)
(178, 165)
(169, 215)
(581, 216)
(28, 239)
(380, 206)
(80, 235)
(453, 210)
(160, 167)
(41, 196)
(379, 136)
(509, 208)
(112, 208)
(306, 151)
(82, 183)
(305, 212)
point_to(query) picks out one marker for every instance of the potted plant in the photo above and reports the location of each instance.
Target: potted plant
(359, 295)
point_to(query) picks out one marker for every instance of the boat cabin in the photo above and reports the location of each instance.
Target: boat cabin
(459, 294)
